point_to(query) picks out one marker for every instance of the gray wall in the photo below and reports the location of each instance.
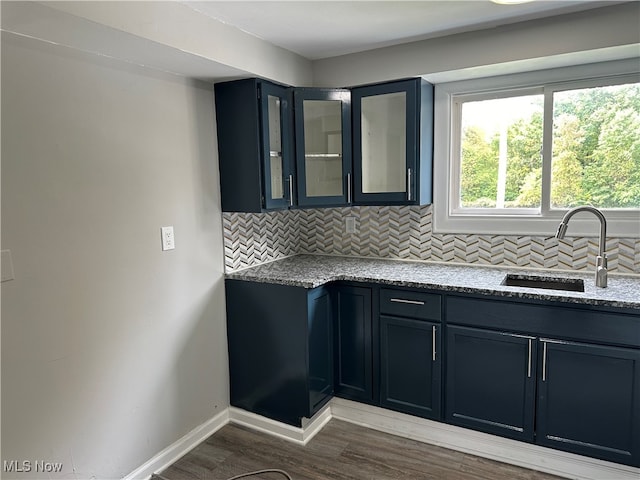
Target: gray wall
(111, 348)
(166, 35)
(600, 34)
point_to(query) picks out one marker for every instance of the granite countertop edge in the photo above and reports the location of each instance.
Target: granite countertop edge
(311, 271)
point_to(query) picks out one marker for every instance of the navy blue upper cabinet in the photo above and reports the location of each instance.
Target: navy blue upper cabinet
(393, 143)
(281, 147)
(255, 145)
(323, 146)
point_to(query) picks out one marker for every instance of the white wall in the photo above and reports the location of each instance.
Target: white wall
(607, 33)
(111, 348)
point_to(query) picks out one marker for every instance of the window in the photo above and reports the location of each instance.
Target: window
(595, 156)
(521, 150)
(499, 151)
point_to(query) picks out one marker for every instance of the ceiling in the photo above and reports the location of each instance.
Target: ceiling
(321, 29)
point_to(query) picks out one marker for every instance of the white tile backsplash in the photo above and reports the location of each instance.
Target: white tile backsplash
(406, 233)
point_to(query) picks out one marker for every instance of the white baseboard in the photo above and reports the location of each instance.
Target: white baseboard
(300, 435)
(504, 450)
(173, 452)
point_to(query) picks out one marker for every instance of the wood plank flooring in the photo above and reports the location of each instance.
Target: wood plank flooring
(340, 451)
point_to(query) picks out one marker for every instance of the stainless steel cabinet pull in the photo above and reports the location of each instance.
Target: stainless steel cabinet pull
(408, 184)
(529, 364)
(411, 302)
(544, 361)
(323, 155)
(349, 187)
(291, 190)
(433, 342)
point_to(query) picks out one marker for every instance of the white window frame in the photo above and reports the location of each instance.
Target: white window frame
(447, 218)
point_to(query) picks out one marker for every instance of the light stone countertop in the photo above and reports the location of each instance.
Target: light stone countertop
(310, 271)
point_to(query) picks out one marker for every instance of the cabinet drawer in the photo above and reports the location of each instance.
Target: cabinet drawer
(586, 323)
(406, 303)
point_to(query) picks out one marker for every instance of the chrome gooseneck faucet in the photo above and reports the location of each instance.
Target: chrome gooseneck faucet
(601, 259)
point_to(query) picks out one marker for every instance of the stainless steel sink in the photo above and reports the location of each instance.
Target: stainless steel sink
(549, 283)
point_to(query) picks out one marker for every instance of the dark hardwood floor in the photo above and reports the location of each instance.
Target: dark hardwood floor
(340, 451)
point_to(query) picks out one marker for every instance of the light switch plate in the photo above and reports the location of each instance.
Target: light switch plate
(168, 240)
(7, 265)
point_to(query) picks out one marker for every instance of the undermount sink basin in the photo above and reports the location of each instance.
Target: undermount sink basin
(549, 283)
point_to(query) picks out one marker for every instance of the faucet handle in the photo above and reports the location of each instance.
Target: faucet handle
(601, 271)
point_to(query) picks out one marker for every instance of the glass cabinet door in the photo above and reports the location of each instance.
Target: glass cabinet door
(277, 150)
(384, 143)
(275, 147)
(385, 122)
(323, 146)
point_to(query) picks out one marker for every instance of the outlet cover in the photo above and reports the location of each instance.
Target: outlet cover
(168, 240)
(350, 224)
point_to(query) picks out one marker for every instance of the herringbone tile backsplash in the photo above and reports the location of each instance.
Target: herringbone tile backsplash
(405, 233)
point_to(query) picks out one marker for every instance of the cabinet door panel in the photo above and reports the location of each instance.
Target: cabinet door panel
(384, 142)
(320, 348)
(392, 143)
(354, 378)
(589, 400)
(268, 345)
(274, 144)
(385, 122)
(323, 146)
(277, 154)
(490, 383)
(410, 366)
(240, 152)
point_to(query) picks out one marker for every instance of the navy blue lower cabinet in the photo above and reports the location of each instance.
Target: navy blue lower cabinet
(490, 381)
(589, 400)
(280, 343)
(353, 343)
(410, 366)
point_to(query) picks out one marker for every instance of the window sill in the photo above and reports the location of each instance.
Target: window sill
(582, 225)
